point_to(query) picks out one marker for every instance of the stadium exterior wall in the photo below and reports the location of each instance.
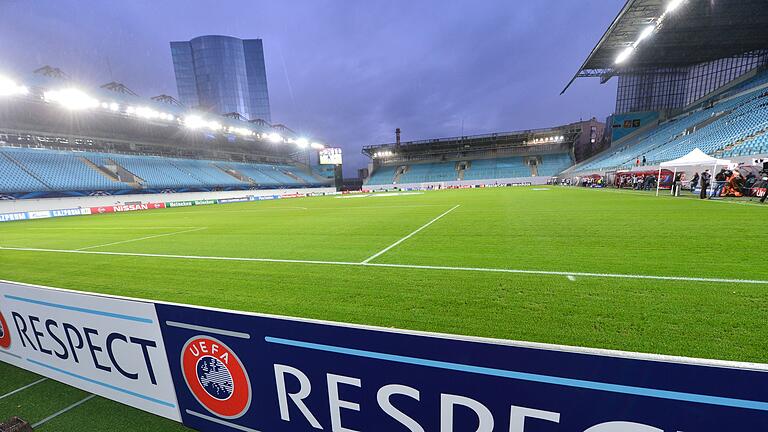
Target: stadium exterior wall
(27, 205)
(538, 180)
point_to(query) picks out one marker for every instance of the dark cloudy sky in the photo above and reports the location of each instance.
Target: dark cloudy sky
(346, 72)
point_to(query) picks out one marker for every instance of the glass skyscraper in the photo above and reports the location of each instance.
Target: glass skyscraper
(222, 74)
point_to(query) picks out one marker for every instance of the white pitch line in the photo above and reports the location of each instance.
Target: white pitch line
(109, 229)
(383, 251)
(141, 238)
(22, 388)
(403, 266)
(65, 410)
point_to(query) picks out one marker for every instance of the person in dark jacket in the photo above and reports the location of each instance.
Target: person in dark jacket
(720, 179)
(694, 181)
(704, 181)
(678, 184)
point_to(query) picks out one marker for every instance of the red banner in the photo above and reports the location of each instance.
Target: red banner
(105, 209)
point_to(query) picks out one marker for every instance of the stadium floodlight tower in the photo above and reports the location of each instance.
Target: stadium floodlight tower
(669, 54)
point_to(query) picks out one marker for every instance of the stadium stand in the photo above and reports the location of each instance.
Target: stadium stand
(33, 170)
(733, 126)
(515, 157)
(476, 169)
(554, 164)
(672, 99)
(58, 139)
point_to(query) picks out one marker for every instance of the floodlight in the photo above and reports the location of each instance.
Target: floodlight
(674, 4)
(71, 98)
(648, 31)
(194, 122)
(274, 137)
(624, 55)
(317, 146)
(130, 110)
(114, 107)
(9, 88)
(146, 112)
(241, 131)
(302, 142)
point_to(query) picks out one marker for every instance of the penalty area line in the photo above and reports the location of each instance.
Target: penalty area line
(386, 249)
(403, 266)
(141, 238)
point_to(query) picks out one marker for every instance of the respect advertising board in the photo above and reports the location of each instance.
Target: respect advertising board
(217, 370)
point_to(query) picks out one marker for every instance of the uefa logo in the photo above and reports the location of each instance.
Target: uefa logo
(5, 333)
(216, 377)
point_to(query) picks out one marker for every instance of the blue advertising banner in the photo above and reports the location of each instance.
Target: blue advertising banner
(233, 371)
(292, 375)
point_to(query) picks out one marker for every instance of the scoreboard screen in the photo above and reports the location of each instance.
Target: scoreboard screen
(330, 156)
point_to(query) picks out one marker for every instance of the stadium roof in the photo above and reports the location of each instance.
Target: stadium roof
(677, 33)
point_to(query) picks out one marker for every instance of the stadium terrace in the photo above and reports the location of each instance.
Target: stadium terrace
(177, 268)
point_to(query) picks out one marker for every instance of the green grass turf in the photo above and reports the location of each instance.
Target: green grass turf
(559, 229)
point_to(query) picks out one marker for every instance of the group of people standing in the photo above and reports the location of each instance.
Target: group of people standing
(728, 182)
(636, 182)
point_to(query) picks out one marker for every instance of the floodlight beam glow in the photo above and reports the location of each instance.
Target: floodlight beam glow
(8, 87)
(274, 137)
(624, 55)
(674, 4)
(646, 33)
(71, 98)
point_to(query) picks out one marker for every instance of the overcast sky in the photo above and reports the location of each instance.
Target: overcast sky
(345, 72)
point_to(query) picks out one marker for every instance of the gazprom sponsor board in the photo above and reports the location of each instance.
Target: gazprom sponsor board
(218, 370)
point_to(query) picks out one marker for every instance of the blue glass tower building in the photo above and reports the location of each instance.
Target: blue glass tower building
(222, 74)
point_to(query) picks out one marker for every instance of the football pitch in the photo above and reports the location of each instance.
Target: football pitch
(572, 266)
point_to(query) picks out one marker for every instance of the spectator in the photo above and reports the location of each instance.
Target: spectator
(677, 185)
(720, 180)
(644, 161)
(704, 181)
(694, 181)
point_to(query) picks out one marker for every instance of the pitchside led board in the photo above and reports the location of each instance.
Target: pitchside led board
(330, 156)
(217, 370)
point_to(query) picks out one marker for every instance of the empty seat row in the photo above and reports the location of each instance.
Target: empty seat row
(36, 170)
(478, 169)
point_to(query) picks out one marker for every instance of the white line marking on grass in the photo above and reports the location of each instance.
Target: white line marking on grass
(266, 209)
(64, 411)
(379, 195)
(572, 278)
(141, 238)
(383, 251)
(405, 266)
(108, 229)
(22, 388)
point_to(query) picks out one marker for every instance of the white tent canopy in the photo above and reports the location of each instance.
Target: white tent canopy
(695, 158)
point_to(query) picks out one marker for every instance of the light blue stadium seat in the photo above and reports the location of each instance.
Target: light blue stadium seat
(36, 170)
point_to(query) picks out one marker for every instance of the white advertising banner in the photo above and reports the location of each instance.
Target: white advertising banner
(107, 346)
